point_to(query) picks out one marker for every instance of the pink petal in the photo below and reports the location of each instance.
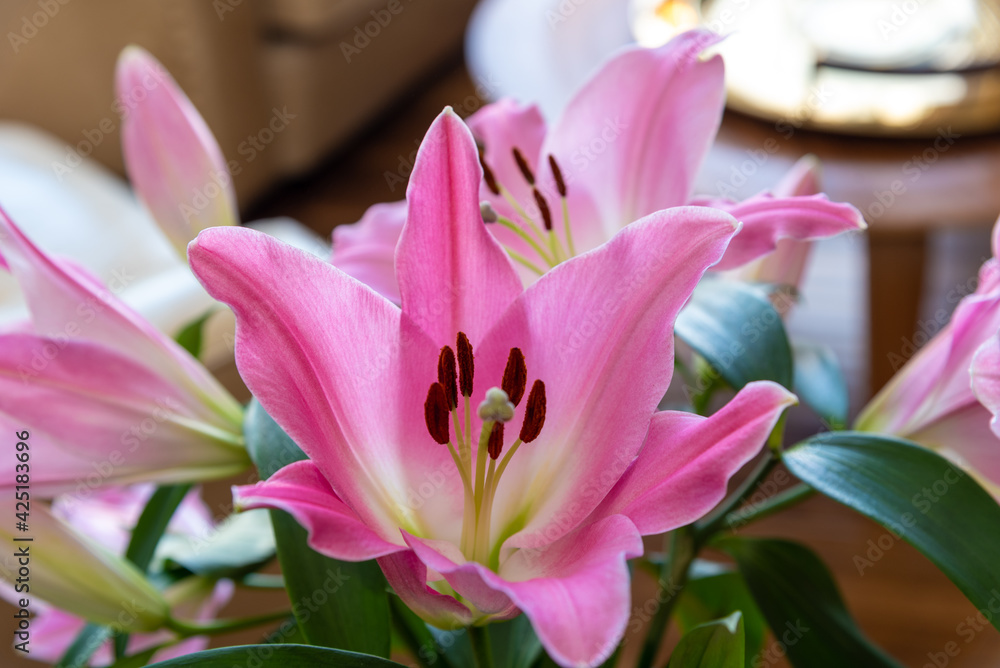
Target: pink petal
(407, 576)
(575, 591)
(767, 219)
(118, 421)
(453, 275)
(968, 437)
(687, 460)
(173, 160)
(935, 382)
(366, 250)
(597, 330)
(351, 381)
(633, 138)
(66, 303)
(334, 529)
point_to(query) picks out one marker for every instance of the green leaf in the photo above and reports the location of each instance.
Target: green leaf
(802, 606)
(820, 383)
(514, 643)
(717, 644)
(276, 656)
(153, 523)
(190, 338)
(736, 329)
(243, 543)
(86, 643)
(338, 604)
(717, 595)
(918, 496)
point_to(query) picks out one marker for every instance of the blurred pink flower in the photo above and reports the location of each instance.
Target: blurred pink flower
(173, 160)
(107, 518)
(931, 399)
(546, 529)
(132, 404)
(629, 144)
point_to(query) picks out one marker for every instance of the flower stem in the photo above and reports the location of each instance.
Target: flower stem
(780, 501)
(481, 650)
(673, 577)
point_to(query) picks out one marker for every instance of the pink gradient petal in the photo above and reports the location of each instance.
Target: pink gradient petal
(575, 591)
(334, 529)
(687, 460)
(935, 382)
(68, 304)
(597, 331)
(767, 219)
(173, 160)
(453, 275)
(353, 374)
(407, 576)
(968, 437)
(116, 419)
(633, 138)
(366, 250)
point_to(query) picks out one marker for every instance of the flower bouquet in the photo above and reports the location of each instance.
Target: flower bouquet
(548, 368)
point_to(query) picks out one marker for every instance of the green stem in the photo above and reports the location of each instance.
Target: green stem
(187, 629)
(772, 505)
(673, 577)
(262, 581)
(481, 650)
(716, 520)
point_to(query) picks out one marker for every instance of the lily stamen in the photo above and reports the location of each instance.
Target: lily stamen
(561, 188)
(455, 374)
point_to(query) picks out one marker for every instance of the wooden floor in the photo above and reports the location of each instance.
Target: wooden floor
(901, 601)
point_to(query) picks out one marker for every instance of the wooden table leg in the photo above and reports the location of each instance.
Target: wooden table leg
(895, 286)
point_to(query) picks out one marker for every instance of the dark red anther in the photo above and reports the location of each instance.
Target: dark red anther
(515, 376)
(534, 413)
(543, 206)
(436, 414)
(522, 164)
(466, 365)
(491, 180)
(495, 446)
(557, 175)
(448, 376)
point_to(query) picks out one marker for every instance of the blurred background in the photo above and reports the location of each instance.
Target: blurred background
(321, 105)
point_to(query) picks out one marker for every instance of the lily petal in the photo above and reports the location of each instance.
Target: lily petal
(117, 419)
(685, 465)
(767, 219)
(407, 576)
(366, 250)
(453, 275)
(634, 136)
(575, 591)
(353, 375)
(597, 331)
(82, 577)
(334, 529)
(172, 157)
(67, 303)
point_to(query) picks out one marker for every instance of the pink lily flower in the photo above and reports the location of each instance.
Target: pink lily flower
(931, 399)
(173, 159)
(618, 153)
(107, 518)
(131, 404)
(482, 498)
